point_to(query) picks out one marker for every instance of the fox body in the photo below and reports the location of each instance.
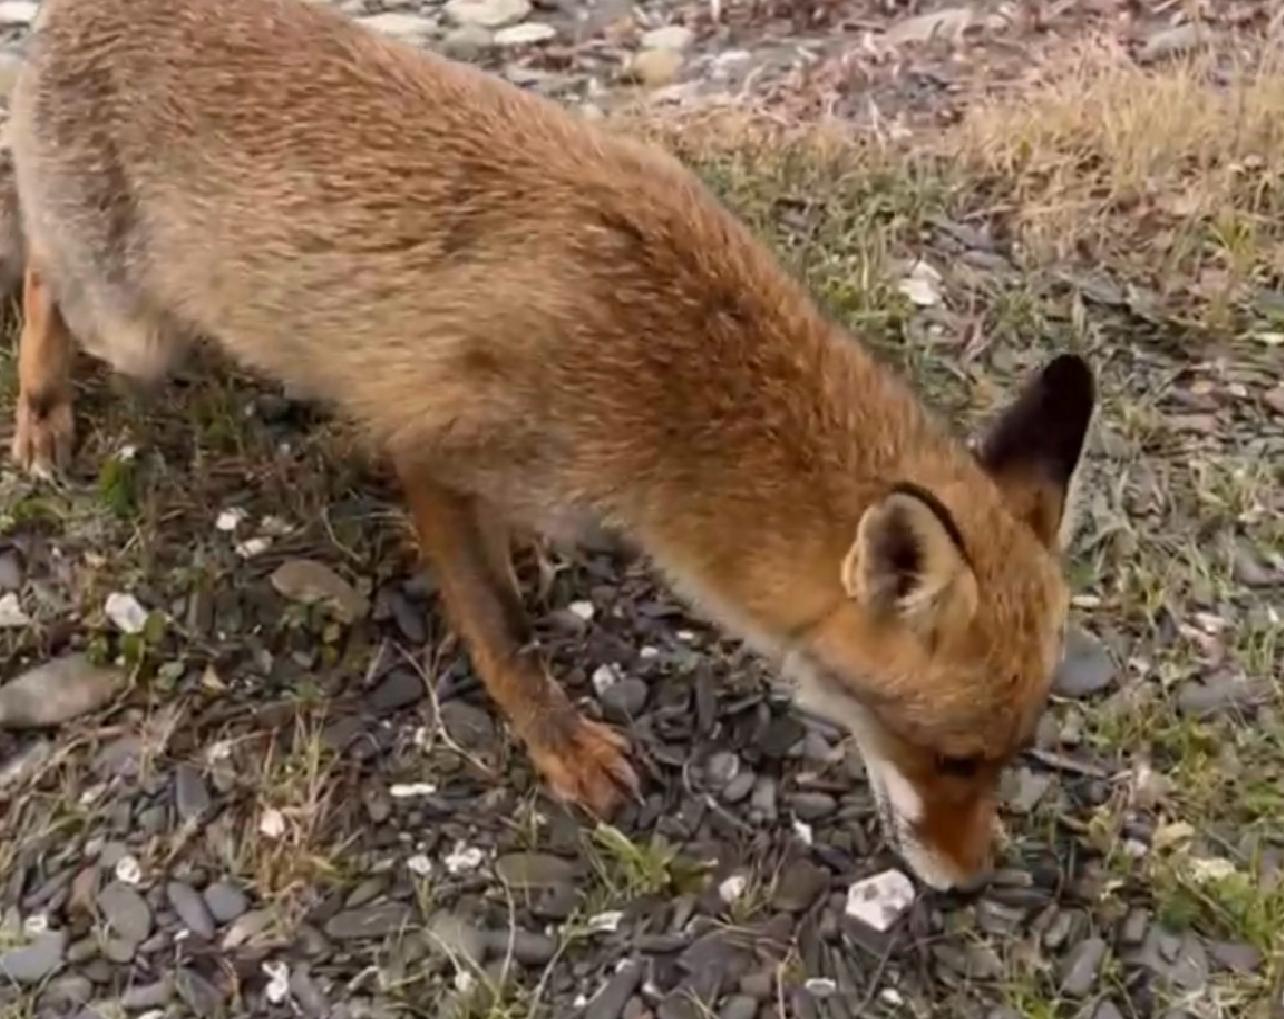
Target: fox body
(541, 325)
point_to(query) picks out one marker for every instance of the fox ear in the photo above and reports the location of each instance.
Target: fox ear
(908, 563)
(1034, 447)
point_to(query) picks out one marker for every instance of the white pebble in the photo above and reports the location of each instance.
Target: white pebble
(921, 285)
(124, 610)
(605, 923)
(803, 830)
(605, 677)
(11, 614)
(128, 870)
(820, 987)
(230, 519)
(253, 546)
(463, 858)
(272, 823)
(583, 609)
(879, 900)
(278, 987)
(732, 888)
(406, 790)
(36, 923)
(420, 865)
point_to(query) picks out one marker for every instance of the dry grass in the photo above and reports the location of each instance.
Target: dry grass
(1094, 152)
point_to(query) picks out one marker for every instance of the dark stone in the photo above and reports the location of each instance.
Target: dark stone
(375, 921)
(611, 1000)
(399, 689)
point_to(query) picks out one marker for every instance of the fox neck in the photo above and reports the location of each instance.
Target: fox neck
(754, 534)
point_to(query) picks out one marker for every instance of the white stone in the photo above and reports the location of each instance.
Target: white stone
(406, 790)
(410, 27)
(463, 858)
(525, 34)
(124, 610)
(670, 37)
(922, 285)
(947, 23)
(11, 613)
(605, 677)
(732, 888)
(128, 871)
(272, 823)
(487, 13)
(879, 901)
(278, 987)
(229, 519)
(18, 12)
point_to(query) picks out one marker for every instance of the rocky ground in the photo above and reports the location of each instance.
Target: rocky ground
(292, 796)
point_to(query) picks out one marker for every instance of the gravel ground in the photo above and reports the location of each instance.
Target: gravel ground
(291, 796)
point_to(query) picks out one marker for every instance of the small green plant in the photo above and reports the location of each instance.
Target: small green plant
(118, 485)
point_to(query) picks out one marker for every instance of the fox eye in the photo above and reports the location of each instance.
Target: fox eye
(959, 767)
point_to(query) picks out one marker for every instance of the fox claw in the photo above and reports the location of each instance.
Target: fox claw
(585, 762)
(42, 438)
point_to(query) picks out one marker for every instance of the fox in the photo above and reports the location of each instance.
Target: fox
(543, 326)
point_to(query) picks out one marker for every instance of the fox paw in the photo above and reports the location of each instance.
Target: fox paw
(43, 434)
(586, 763)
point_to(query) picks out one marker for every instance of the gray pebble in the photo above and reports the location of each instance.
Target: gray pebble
(739, 1006)
(798, 886)
(198, 993)
(309, 996)
(1086, 667)
(366, 891)
(1236, 956)
(375, 921)
(610, 1002)
(225, 901)
(623, 701)
(1203, 700)
(470, 727)
(82, 951)
(125, 913)
(145, 996)
(454, 937)
(533, 870)
(71, 989)
(739, 787)
(721, 768)
(758, 984)
(34, 961)
(10, 572)
(783, 732)
(1107, 1010)
(1080, 969)
(191, 798)
(763, 801)
(191, 908)
(812, 806)
(399, 689)
(1135, 926)
(528, 947)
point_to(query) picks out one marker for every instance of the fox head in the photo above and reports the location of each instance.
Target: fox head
(940, 658)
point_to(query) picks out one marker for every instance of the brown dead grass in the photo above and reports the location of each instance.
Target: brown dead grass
(1171, 176)
(1095, 153)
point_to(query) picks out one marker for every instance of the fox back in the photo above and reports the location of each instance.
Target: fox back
(567, 326)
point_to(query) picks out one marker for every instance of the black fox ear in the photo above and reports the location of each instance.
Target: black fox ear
(1035, 446)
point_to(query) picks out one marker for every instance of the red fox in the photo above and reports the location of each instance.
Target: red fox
(541, 325)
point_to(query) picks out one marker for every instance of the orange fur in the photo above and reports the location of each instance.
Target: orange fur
(543, 325)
